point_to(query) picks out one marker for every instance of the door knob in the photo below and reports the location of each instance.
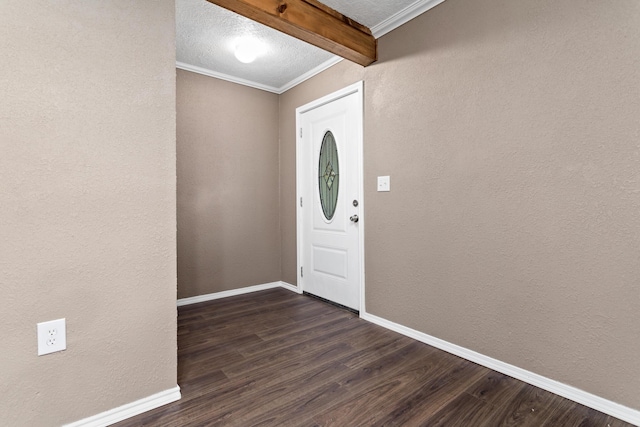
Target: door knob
(354, 218)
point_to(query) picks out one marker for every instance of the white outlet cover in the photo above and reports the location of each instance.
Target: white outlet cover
(384, 183)
(52, 336)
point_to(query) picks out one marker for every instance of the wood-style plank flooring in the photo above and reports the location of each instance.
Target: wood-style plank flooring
(275, 358)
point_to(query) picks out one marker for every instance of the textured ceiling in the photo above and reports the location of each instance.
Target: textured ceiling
(206, 36)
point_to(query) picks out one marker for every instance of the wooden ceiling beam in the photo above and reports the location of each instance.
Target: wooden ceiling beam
(312, 22)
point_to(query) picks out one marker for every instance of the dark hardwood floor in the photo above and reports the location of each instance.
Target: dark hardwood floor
(275, 358)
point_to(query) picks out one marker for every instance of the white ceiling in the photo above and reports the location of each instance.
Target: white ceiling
(206, 36)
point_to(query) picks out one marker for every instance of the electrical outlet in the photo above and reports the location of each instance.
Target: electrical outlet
(52, 336)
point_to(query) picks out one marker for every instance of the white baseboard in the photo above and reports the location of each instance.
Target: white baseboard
(130, 409)
(572, 393)
(234, 292)
(291, 287)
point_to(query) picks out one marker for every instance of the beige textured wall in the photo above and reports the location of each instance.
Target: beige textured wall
(87, 230)
(511, 134)
(228, 185)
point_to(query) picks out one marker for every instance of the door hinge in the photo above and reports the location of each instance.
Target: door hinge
(301, 272)
(300, 201)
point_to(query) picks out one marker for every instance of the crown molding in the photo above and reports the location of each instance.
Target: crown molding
(404, 16)
(306, 76)
(277, 90)
(221, 76)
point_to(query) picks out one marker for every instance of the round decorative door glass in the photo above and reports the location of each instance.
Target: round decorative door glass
(328, 175)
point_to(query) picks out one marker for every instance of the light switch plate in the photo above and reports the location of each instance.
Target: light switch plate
(384, 183)
(52, 336)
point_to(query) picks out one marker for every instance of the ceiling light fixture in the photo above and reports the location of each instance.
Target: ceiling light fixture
(247, 50)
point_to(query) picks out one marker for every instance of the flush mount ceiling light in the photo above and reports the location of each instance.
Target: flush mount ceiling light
(247, 50)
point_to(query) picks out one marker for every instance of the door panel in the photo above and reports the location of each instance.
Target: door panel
(330, 261)
(330, 248)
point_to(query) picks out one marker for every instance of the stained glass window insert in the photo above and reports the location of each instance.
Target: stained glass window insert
(328, 175)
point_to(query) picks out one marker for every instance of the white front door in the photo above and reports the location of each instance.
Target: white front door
(329, 174)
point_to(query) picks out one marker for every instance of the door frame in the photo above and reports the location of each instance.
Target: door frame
(357, 88)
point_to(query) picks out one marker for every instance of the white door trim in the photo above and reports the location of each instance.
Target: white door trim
(357, 88)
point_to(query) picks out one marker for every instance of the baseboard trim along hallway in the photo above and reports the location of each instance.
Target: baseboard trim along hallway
(572, 393)
(239, 291)
(129, 410)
